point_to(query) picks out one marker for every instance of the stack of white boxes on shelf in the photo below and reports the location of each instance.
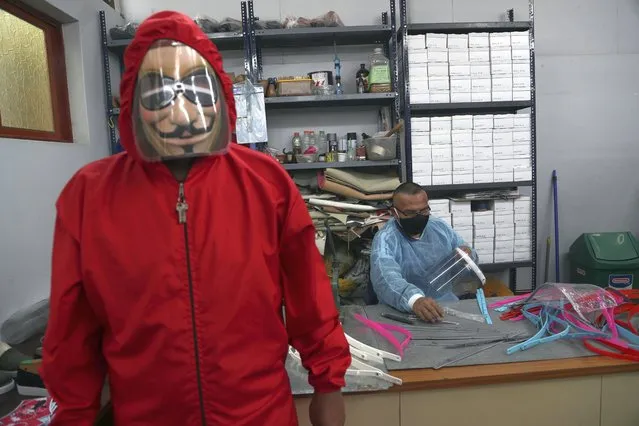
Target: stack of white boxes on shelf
(523, 220)
(462, 220)
(504, 231)
(465, 149)
(441, 210)
(475, 67)
(484, 235)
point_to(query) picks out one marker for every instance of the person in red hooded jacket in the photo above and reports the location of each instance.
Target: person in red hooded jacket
(172, 262)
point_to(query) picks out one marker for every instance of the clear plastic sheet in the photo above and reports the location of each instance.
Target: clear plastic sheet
(329, 19)
(452, 269)
(251, 113)
(25, 323)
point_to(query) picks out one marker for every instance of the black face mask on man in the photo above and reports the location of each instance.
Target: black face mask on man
(413, 225)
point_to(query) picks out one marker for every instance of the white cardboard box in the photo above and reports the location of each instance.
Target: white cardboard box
(503, 166)
(421, 140)
(422, 179)
(503, 121)
(499, 40)
(521, 150)
(480, 40)
(503, 176)
(479, 56)
(422, 168)
(505, 70)
(520, 39)
(522, 245)
(418, 72)
(520, 55)
(522, 256)
(521, 163)
(521, 83)
(521, 95)
(438, 69)
(460, 85)
(521, 136)
(483, 232)
(482, 166)
(458, 97)
(483, 122)
(480, 70)
(503, 206)
(462, 137)
(457, 41)
(481, 97)
(521, 70)
(436, 84)
(463, 167)
(440, 138)
(503, 138)
(437, 55)
(441, 124)
(483, 218)
(440, 97)
(442, 153)
(460, 178)
(521, 121)
(504, 232)
(421, 157)
(436, 41)
(462, 122)
(483, 137)
(501, 56)
(522, 219)
(502, 257)
(420, 124)
(443, 179)
(422, 98)
(483, 153)
(442, 168)
(459, 70)
(505, 245)
(505, 220)
(416, 42)
(486, 258)
(522, 201)
(522, 175)
(484, 245)
(502, 96)
(418, 57)
(483, 177)
(461, 208)
(462, 220)
(443, 204)
(481, 85)
(463, 153)
(419, 86)
(522, 232)
(504, 152)
(460, 56)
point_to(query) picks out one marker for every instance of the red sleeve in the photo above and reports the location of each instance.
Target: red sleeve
(73, 368)
(312, 319)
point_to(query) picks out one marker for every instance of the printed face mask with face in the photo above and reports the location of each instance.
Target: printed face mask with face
(179, 109)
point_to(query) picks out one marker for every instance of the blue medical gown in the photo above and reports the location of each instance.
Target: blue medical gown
(400, 265)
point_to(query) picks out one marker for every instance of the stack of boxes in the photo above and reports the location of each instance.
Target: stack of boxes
(499, 235)
(466, 149)
(475, 67)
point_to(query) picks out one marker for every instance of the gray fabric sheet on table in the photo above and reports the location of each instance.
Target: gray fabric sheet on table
(429, 353)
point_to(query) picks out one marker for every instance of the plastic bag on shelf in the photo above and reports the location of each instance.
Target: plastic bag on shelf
(124, 32)
(268, 25)
(251, 113)
(25, 323)
(329, 19)
(207, 24)
(229, 25)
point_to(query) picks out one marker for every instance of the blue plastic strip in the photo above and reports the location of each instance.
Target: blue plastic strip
(483, 308)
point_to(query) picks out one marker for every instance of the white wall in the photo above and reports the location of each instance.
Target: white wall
(33, 173)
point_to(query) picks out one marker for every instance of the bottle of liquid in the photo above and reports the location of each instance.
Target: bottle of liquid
(322, 141)
(306, 140)
(297, 144)
(331, 154)
(351, 140)
(338, 76)
(361, 78)
(379, 78)
(342, 150)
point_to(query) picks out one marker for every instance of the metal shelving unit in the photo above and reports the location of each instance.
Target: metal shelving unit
(344, 165)
(415, 110)
(355, 99)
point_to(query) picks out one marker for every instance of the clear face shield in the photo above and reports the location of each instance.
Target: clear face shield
(453, 269)
(179, 108)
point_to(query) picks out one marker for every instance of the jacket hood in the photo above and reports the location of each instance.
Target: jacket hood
(170, 26)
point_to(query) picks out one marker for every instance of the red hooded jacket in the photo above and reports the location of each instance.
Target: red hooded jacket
(186, 319)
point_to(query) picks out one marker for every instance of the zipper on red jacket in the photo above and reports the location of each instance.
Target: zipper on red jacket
(182, 207)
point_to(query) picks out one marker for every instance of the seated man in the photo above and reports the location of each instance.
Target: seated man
(405, 252)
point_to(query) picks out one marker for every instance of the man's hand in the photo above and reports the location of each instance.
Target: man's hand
(467, 250)
(327, 409)
(428, 310)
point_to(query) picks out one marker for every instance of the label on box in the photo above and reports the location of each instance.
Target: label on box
(502, 96)
(418, 73)
(460, 85)
(422, 98)
(479, 71)
(436, 55)
(503, 165)
(501, 69)
(462, 153)
(522, 256)
(483, 220)
(503, 121)
(465, 166)
(422, 168)
(443, 180)
(480, 56)
(482, 166)
(440, 97)
(505, 246)
(521, 136)
(500, 56)
(462, 138)
(478, 40)
(503, 138)
(420, 57)
(481, 97)
(460, 70)
(438, 70)
(503, 206)
(462, 178)
(442, 153)
(483, 177)
(505, 219)
(522, 219)
(458, 41)
(499, 40)
(521, 70)
(521, 83)
(423, 180)
(483, 153)
(522, 245)
(521, 163)
(462, 220)
(481, 85)
(482, 137)
(522, 231)
(521, 95)
(458, 56)
(503, 176)
(438, 83)
(441, 124)
(521, 122)
(462, 122)
(440, 138)
(420, 139)
(521, 150)
(520, 55)
(420, 124)
(442, 168)
(460, 208)
(459, 97)
(502, 84)
(483, 122)
(483, 232)
(501, 257)
(504, 232)
(522, 175)
(436, 41)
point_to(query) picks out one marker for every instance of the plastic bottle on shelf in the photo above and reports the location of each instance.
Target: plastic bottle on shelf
(379, 78)
(361, 79)
(297, 144)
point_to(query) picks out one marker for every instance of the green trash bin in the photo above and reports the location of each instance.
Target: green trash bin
(609, 259)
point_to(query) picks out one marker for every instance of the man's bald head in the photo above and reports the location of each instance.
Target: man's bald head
(410, 198)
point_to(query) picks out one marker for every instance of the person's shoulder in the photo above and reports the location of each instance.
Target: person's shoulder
(257, 163)
(94, 172)
(388, 233)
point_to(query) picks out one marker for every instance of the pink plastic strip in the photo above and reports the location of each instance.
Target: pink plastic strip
(385, 330)
(508, 301)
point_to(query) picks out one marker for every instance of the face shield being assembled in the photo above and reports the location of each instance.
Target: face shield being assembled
(179, 109)
(451, 270)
